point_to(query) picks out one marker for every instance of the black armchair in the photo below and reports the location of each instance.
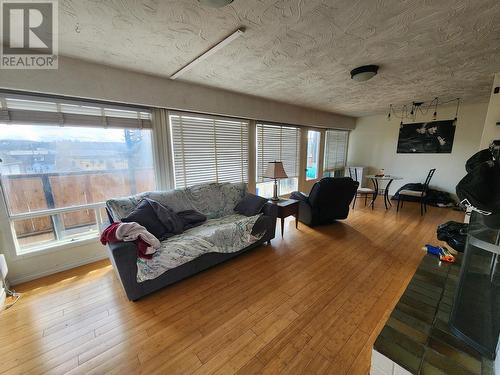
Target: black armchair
(328, 200)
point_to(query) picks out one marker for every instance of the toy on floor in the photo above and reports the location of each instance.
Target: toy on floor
(442, 253)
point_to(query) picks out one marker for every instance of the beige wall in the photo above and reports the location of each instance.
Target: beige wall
(491, 129)
(88, 80)
(373, 144)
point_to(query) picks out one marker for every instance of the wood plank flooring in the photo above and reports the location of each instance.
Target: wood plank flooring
(310, 303)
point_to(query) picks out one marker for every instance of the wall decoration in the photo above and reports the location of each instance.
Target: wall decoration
(434, 137)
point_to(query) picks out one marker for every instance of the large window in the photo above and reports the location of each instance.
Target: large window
(278, 143)
(336, 152)
(207, 148)
(61, 161)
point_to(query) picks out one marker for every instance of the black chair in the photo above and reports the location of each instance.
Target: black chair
(421, 195)
(362, 191)
(328, 200)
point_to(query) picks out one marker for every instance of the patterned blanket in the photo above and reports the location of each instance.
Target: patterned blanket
(227, 234)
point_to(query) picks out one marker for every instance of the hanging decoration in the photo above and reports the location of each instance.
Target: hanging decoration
(410, 111)
(425, 136)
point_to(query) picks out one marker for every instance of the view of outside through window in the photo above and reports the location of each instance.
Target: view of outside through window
(48, 167)
(313, 138)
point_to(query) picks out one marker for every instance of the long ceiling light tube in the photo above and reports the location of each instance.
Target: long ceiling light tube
(209, 52)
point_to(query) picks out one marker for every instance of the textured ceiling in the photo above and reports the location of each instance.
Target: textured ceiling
(300, 51)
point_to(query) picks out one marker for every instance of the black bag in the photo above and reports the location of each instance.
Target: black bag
(477, 159)
(480, 188)
(454, 234)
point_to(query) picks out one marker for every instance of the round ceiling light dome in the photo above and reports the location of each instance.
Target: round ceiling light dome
(215, 3)
(364, 73)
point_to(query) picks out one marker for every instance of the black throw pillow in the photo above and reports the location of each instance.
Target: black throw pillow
(171, 221)
(191, 218)
(145, 215)
(250, 205)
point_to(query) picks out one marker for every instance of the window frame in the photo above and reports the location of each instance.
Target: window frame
(335, 170)
(7, 221)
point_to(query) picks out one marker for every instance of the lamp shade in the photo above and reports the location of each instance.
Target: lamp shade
(275, 170)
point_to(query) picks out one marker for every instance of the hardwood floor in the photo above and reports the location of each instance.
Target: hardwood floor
(310, 303)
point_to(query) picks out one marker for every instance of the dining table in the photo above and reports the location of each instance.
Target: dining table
(377, 180)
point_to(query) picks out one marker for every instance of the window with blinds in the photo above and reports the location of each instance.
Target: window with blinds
(33, 110)
(278, 143)
(208, 148)
(61, 159)
(335, 150)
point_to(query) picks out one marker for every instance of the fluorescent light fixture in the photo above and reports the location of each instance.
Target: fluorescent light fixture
(215, 3)
(224, 42)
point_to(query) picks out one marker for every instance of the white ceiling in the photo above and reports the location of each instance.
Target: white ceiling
(300, 51)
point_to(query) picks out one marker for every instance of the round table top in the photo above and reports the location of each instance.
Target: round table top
(384, 177)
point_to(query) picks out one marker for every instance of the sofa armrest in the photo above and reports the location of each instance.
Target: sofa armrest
(305, 209)
(301, 197)
(123, 256)
(271, 210)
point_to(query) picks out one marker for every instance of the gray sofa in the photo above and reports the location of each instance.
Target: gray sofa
(214, 200)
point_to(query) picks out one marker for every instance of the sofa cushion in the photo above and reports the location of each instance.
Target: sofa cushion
(250, 205)
(227, 234)
(211, 199)
(176, 200)
(215, 199)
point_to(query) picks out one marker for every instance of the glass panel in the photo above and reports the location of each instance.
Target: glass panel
(54, 229)
(285, 186)
(47, 167)
(313, 138)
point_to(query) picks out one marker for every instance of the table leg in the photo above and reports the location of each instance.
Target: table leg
(375, 186)
(282, 226)
(386, 195)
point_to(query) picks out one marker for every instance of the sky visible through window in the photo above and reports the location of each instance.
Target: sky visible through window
(39, 133)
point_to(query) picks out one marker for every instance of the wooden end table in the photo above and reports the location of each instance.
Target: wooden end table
(287, 207)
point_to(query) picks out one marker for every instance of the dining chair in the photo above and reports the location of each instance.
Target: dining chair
(420, 194)
(362, 191)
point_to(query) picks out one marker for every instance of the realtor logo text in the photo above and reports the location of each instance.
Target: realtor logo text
(29, 34)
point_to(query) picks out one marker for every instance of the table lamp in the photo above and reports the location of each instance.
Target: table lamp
(275, 170)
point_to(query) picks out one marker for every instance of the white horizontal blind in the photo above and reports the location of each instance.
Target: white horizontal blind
(29, 110)
(278, 143)
(208, 148)
(335, 149)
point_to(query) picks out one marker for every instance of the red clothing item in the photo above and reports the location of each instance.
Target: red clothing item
(109, 236)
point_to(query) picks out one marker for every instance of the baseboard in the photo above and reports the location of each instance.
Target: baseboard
(23, 279)
(3, 295)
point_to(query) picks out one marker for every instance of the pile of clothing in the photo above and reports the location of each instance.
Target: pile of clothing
(149, 224)
(434, 197)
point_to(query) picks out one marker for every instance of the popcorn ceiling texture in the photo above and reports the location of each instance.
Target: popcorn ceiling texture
(300, 51)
